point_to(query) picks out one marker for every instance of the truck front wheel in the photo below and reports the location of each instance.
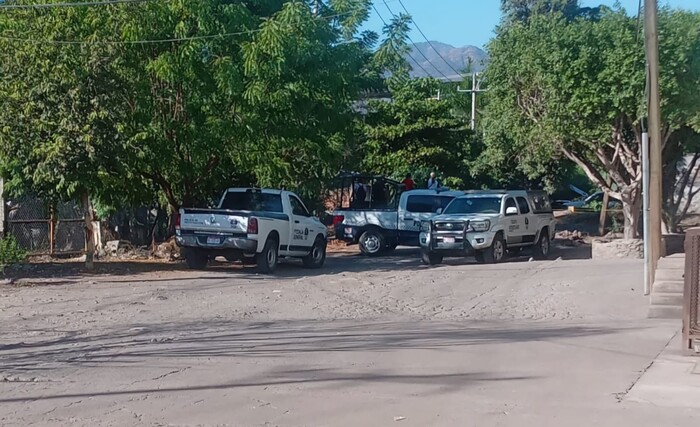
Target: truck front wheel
(267, 259)
(495, 254)
(430, 258)
(317, 256)
(196, 259)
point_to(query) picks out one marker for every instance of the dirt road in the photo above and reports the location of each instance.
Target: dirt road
(363, 342)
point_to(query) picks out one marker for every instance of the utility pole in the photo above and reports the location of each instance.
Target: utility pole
(476, 88)
(651, 38)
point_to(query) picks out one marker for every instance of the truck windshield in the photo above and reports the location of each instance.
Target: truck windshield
(252, 201)
(474, 205)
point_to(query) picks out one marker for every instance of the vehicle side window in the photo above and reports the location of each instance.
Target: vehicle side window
(510, 203)
(297, 207)
(523, 205)
(540, 202)
(252, 201)
(420, 204)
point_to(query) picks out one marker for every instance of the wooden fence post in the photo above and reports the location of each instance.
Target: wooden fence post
(52, 231)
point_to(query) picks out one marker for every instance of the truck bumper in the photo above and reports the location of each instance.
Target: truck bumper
(453, 243)
(207, 241)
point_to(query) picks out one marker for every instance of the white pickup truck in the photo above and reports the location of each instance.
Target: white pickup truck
(252, 225)
(397, 223)
(488, 224)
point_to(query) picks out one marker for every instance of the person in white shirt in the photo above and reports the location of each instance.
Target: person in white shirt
(433, 183)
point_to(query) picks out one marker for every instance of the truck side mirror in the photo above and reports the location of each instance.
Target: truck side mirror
(511, 211)
(439, 211)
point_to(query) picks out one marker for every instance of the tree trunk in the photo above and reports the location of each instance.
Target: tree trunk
(174, 211)
(89, 232)
(631, 211)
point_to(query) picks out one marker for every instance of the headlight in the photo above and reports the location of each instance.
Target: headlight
(425, 226)
(480, 225)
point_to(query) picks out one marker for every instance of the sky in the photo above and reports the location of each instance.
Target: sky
(471, 22)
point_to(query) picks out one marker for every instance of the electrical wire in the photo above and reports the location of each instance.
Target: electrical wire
(418, 50)
(70, 4)
(426, 39)
(408, 53)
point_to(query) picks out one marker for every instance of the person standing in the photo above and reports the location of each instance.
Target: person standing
(433, 183)
(408, 183)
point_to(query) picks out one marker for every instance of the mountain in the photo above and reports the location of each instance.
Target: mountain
(457, 58)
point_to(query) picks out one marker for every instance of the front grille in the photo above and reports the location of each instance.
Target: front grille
(449, 226)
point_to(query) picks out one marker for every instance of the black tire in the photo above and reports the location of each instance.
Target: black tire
(372, 243)
(267, 259)
(431, 258)
(543, 247)
(317, 256)
(495, 254)
(196, 259)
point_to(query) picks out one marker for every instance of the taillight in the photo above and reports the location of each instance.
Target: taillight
(253, 226)
(338, 219)
(177, 221)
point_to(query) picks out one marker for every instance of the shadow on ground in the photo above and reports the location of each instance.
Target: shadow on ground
(138, 343)
(68, 273)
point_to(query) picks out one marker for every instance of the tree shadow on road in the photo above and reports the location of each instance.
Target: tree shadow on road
(138, 343)
(446, 382)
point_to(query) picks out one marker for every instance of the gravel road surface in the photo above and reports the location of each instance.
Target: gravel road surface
(362, 342)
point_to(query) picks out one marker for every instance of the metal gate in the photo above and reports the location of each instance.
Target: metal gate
(691, 294)
(44, 230)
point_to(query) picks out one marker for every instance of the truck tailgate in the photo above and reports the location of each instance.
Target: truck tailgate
(217, 221)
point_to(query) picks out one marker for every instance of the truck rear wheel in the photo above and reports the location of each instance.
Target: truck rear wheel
(196, 259)
(431, 258)
(267, 259)
(372, 243)
(543, 246)
(317, 256)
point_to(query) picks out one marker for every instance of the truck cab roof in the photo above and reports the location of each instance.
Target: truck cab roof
(426, 192)
(254, 190)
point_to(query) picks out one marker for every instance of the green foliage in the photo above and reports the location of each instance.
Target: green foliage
(572, 86)
(10, 252)
(417, 134)
(265, 103)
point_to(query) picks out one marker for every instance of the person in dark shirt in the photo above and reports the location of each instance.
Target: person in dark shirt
(408, 183)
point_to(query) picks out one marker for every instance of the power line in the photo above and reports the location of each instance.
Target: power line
(414, 45)
(137, 42)
(426, 39)
(70, 4)
(408, 53)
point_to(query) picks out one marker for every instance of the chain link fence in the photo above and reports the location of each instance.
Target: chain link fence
(42, 231)
(69, 229)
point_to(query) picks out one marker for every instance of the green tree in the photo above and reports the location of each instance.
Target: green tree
(575, 88)
(177, 100)
(416, 133)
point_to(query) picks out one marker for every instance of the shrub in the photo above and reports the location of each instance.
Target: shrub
(10, 252)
